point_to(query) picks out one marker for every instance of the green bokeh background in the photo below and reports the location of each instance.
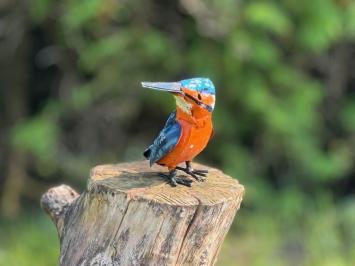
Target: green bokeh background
(70, 99)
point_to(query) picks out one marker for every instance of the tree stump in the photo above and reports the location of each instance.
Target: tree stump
(128, 215)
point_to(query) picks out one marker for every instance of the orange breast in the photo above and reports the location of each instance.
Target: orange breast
(194, 138)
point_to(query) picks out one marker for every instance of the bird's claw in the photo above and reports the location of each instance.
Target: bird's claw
(200, 172)
(199, 175)
(183, 181)
(175, 180)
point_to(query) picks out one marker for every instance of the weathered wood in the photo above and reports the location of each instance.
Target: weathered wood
(55, 203)
(128, 215)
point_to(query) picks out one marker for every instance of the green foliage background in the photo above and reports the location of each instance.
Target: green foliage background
(284, 119)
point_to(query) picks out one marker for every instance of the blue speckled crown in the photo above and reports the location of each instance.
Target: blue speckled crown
(203, 85)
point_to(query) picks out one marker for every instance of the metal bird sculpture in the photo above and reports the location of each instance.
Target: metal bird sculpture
(187, 130)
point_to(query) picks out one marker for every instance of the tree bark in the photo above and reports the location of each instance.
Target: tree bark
(128, 215)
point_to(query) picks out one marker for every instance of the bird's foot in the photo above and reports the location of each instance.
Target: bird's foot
(199, 175)
(175, 180)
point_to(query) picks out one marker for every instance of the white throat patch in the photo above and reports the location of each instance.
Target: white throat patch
(183, 105)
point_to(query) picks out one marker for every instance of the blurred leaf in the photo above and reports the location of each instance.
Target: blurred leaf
(37, 135)
(349, 21)
(268, 16)
(95, 53)
(78, 13)
(321, 24)
(82, 97)
(348, 115)
(40, 9)
(31, 241)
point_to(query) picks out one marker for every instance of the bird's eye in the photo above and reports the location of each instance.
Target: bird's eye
(199, 96)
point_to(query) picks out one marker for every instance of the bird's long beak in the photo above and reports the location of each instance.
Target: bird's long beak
(163, 86)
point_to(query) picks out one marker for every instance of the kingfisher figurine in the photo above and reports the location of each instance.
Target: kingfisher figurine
(187, 130)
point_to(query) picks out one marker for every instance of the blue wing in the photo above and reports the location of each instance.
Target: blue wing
(165, 142)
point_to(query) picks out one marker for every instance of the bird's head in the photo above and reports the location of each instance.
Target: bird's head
(195, 93)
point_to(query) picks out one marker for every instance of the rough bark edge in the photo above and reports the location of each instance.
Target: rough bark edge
(56, 201)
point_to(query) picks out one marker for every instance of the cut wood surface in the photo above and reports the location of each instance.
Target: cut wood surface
(128, 215)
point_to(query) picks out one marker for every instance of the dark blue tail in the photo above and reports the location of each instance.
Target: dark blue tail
(147, 153)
